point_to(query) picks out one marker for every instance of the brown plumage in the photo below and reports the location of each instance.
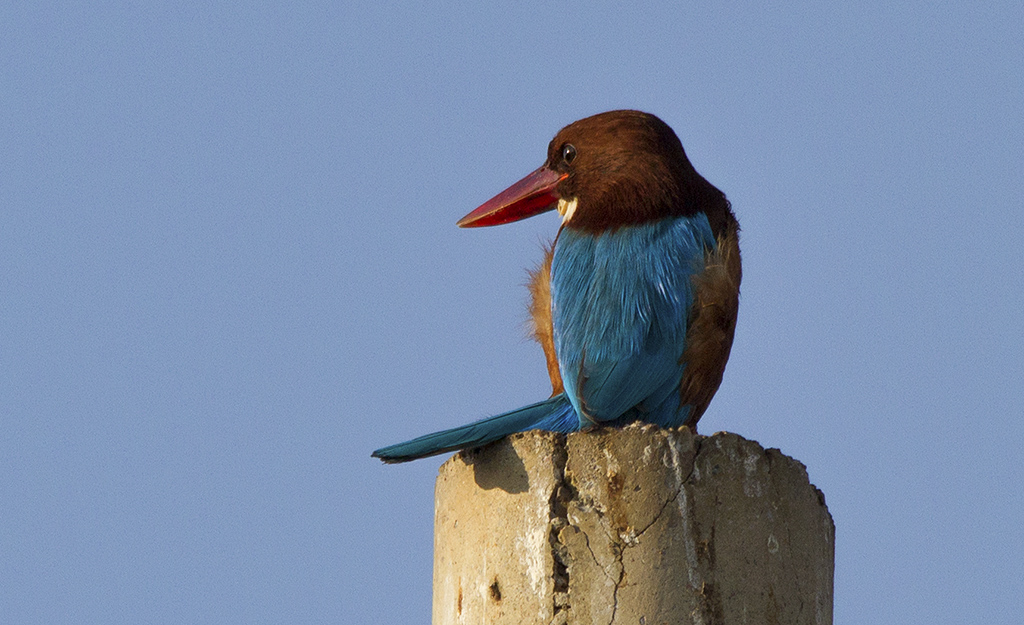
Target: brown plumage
(712, 324)
(540, 316)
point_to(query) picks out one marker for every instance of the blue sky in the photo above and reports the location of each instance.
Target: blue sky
(229, 270)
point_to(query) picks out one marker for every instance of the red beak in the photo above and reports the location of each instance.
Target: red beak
(531, 196)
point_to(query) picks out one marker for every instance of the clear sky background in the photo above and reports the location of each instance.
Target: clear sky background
(229, 270)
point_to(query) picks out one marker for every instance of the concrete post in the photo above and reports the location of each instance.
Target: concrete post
(639, 526)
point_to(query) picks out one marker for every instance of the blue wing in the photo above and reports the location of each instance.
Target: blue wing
(621, 301)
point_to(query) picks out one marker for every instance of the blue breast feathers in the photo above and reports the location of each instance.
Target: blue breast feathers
(620, 301)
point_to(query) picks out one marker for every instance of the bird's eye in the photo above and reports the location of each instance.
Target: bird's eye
(568, 153)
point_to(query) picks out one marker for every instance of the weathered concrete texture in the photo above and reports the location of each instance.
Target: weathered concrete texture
(493, 560)
(640, 525)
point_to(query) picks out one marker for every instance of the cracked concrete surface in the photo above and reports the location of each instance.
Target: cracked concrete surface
(638, 525)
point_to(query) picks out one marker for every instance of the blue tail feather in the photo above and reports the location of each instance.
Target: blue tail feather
(555, 414)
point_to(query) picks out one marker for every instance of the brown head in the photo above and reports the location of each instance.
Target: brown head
(609, 170)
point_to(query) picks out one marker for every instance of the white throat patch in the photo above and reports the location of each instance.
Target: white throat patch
(566, 209)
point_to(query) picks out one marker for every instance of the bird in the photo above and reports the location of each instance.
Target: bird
(635, 301)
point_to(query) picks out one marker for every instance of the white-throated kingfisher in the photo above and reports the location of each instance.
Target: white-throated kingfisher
(635, 303)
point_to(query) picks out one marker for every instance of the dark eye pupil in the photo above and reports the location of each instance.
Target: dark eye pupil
(568, 153)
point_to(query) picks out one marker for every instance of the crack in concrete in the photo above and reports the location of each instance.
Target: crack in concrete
(618, 544)
(657, 517)
(560, 496)
(617, 553)
(615, 592)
